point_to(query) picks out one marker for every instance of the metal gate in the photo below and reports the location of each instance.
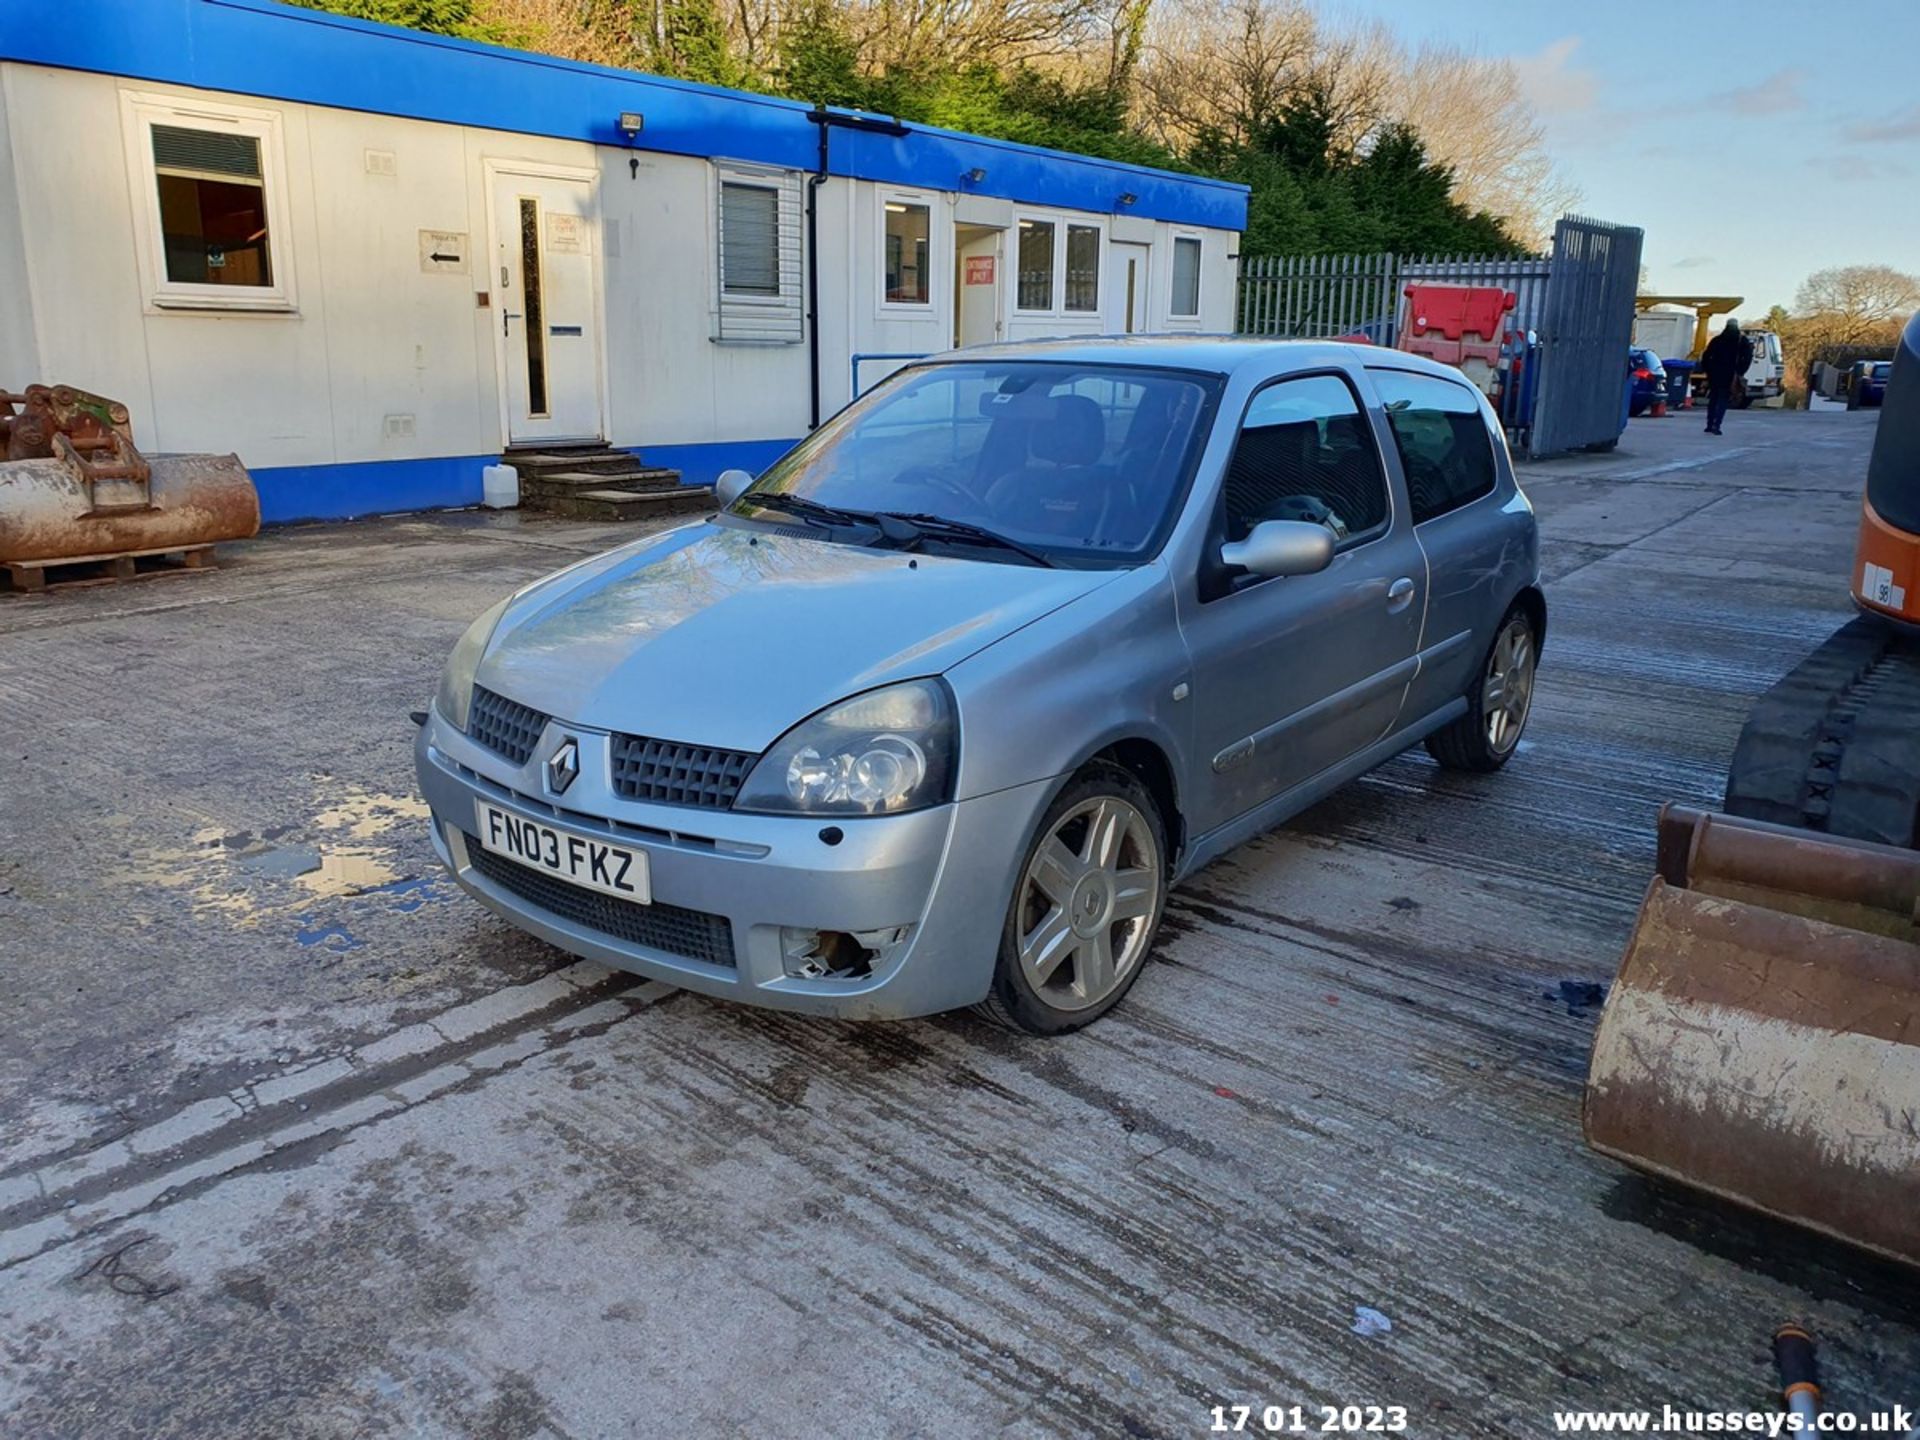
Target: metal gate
(1584, 335)
(1577, 305)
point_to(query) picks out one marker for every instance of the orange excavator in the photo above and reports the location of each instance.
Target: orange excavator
(1762, 1040)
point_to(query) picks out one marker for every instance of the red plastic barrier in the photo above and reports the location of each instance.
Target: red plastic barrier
(1456, 323)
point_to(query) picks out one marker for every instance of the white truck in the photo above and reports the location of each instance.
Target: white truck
(1766, 377)
(1669, 334)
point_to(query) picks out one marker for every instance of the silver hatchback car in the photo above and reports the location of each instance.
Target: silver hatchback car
(935, 711)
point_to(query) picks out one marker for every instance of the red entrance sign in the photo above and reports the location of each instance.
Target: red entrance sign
(979, 269)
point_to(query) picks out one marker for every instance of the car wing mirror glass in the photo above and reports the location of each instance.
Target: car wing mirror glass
(1281, 547)
(730, 486)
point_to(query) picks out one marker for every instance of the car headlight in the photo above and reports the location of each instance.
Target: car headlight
(456, 682)
(881, 753)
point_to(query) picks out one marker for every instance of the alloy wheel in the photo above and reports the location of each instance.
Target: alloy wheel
(1508, 691)
(1087, 903)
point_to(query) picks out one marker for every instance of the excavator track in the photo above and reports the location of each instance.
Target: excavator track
(1834, 746)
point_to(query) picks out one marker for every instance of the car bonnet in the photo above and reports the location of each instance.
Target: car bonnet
(727, 637)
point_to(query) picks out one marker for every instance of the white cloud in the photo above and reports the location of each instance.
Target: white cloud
(1858, 168)
(1778, 94)
(1553, 83)
(1902, 125)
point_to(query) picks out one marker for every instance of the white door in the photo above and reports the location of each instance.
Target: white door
(976, 292)
(544, 236)
(1126, 288)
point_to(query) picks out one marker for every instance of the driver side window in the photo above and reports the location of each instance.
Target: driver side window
(1306, 452)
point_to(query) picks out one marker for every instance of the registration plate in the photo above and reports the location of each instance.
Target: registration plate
(578, 859)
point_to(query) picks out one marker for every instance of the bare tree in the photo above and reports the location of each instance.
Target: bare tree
(1474, 118)
(1855, 304)
(571, 29)
(1223, 67)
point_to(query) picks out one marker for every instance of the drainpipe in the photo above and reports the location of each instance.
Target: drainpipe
(826, 119)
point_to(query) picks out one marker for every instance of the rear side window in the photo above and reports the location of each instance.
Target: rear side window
(1305, 453)
(1442, 437)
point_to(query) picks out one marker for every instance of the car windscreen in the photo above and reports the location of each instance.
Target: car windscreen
(1084, 463)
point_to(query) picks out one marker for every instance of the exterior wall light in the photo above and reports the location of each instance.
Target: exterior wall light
(630, 124)
(1128, 197)
(975, 175)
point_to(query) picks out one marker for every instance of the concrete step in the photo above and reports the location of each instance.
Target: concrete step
(571, 482)
(626, 504)
(597, 460)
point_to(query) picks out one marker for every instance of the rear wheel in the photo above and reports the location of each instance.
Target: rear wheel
(1486, 736)
(1085, 907)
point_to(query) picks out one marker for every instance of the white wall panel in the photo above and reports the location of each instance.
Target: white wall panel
(79, 237)
(19, 345)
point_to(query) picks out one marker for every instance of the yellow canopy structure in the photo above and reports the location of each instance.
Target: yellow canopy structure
(1704, 308)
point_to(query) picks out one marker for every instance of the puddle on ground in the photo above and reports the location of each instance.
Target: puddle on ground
(369, 813)
(292, 861)
(347, 851)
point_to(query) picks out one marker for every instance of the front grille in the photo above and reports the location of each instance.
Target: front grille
(504, 726)
(669, 773)
(691, 934)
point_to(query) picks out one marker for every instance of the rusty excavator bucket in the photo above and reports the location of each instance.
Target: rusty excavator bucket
(1762, 1041)
(73, 487)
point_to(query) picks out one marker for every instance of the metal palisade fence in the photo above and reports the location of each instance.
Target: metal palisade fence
(1316, 297)
(1577, 302)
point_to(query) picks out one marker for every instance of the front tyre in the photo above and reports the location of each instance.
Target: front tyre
(1486, 736)
(1085, 906)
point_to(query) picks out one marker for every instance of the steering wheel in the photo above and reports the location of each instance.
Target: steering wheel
(935, 478)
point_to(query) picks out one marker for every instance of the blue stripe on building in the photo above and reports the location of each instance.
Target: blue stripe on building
(390, 487)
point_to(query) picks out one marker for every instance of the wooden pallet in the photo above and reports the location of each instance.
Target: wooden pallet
(36, 576)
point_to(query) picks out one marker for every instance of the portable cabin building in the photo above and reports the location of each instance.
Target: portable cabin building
(369, 260)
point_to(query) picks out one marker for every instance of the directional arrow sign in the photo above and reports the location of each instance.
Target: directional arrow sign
(443, 252)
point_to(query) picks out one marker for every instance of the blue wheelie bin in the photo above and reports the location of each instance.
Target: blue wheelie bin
(1679, 378)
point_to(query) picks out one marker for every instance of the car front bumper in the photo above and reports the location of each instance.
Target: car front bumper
(942, 876)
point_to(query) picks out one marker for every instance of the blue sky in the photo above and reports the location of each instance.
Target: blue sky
(1754, 142)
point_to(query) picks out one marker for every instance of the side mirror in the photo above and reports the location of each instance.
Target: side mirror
(729, 487)
(1281, 547)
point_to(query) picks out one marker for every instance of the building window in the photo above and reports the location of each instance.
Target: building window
(757, 234)
(213, 207)
(909, 240)
(1186, 278)
(210, 196)
(749, 239)
(1083, 267)
(1035, 290)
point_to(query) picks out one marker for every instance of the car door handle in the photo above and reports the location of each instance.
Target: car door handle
(1399, 594)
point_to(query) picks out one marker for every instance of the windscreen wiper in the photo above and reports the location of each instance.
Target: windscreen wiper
(812, 511)
(942, 528)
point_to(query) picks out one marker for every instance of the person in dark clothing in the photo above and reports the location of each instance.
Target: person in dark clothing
(1725, 360)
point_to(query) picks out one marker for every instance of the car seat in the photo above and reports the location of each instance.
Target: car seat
(1060, 487)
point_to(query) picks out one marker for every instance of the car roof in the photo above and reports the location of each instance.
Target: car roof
(1217, 354)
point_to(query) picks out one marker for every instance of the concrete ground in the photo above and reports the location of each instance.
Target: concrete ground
(296, 1140)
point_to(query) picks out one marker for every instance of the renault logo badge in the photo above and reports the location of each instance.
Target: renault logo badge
(563, 765)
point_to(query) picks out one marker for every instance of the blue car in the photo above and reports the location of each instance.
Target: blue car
(1870, 385)
(1649, 380)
